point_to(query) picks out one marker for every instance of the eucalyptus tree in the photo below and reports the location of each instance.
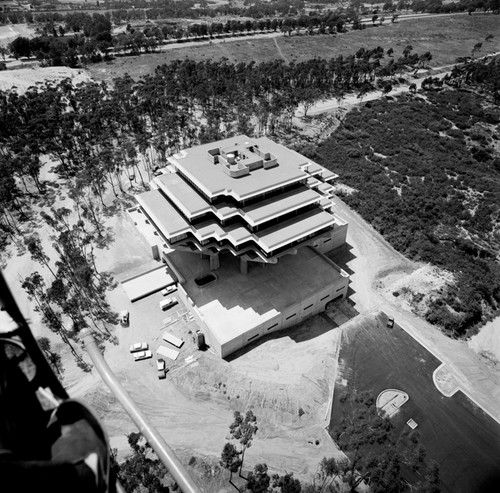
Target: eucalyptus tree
(37, 291)
(79, 288)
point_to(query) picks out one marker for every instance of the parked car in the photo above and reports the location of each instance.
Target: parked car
(169, 289)
(161, 368)
(390, 323)
(139, 346)
(168, 303)
(142, 355)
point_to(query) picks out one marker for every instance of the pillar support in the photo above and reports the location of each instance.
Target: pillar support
(214, 262)
(243, 266)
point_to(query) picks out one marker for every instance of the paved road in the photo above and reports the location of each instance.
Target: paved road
(353, 100)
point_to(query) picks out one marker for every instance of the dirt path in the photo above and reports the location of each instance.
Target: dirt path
(279, 50)
(353, 100)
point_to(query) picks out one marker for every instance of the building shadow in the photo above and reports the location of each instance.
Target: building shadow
(342, 256)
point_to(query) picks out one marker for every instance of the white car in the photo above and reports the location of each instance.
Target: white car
(139, 346)
(169, 289)
(168, 303)
(142, 355)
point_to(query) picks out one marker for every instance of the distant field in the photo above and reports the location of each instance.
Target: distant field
(446, 37)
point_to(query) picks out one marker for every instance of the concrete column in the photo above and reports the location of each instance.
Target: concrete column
(243, 266)
(214, 262)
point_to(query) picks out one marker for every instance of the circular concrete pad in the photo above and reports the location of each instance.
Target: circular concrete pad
(390, 400)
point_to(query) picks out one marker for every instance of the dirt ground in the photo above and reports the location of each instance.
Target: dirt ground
(23, 78)
(10, 32)
(287, 380)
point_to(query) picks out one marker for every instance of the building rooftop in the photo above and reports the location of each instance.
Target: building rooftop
(293, 229)
(236, 302)
(213, 180)
(167, 219)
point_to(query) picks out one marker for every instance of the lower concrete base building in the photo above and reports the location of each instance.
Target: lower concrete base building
(234, 309)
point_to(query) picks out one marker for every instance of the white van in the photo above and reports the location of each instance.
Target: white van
(167, 303)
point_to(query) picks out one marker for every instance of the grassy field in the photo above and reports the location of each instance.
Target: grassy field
(446, 37)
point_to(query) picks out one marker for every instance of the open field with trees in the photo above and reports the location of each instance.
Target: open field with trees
(446, 37)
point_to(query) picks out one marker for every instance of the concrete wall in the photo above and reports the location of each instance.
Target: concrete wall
(289, 317)
(209, 339)
(336, 238)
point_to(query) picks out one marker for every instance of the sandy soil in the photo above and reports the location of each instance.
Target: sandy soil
(11, 32)
(487, 342)
(23, 78)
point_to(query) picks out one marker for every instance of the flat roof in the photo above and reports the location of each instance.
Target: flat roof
(147, 283)
(193, 204)
(164, 215)
(213, 181)
(328, 175)
(280, 235)
(277, 206)
(182, 194)
(235, 303)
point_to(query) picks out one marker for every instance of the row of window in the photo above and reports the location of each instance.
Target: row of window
(291, 316)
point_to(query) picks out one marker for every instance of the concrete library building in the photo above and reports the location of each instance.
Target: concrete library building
(243, 225)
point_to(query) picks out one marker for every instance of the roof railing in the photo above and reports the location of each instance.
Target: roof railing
(158, 444)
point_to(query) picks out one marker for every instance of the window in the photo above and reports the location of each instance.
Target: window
(339, 289)
(272, 327)
(309, 306)
(253, 337)
(287, 318)
(325, 297)
(326, 241)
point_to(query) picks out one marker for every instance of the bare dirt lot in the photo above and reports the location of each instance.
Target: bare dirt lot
(23, 78)
(12, 31)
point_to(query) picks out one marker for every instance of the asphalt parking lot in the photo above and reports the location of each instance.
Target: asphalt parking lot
(463, 439)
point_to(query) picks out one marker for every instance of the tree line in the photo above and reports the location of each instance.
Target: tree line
(120, 12)
(97, 134)
(92, 39)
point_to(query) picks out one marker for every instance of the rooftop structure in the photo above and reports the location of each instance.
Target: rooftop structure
(243, 200)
